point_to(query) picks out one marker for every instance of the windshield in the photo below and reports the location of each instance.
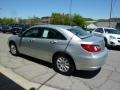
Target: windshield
(79, 32)
(112, 31)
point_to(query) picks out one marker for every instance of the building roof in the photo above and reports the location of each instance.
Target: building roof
(91, 26)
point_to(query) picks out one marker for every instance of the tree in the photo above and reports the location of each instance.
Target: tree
(79, 21)
(33, 20)
(7, 20)
(65, 19)
(88, 19)
(57, 18)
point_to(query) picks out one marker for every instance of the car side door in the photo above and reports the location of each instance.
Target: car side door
(27, 40)
(50, 42)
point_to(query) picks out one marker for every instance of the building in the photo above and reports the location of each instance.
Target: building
(113, 23)
(45, 20)
(107, 23)
(17, 19)
(90, 25)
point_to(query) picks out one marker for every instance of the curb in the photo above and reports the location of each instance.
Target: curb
(23, 82)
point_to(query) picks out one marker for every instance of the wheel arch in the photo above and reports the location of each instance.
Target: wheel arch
(11, 41)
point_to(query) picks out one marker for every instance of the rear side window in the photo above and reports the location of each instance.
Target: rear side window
(112, 31)
(52, 34)
(78, 31)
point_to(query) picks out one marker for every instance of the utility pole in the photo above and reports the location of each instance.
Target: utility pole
(111, 7)
(0, 8)
(70, 16)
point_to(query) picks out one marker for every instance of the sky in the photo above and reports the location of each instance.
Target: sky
(96, 9)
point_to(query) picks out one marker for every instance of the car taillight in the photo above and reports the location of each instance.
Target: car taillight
(91, 47)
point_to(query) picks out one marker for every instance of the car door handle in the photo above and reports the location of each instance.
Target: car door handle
(31, 40)
(53, 42)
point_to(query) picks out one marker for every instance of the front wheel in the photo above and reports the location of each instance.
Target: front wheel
(13, 49)
(4, 31)
(106, 42)
(64, 64)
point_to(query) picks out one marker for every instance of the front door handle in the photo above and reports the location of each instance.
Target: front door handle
(53, 42)
(31, 40)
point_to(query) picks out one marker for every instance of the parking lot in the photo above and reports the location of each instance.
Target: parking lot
(38, 71)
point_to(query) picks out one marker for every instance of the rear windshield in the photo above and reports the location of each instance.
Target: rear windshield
(79, 32)
(112, 31)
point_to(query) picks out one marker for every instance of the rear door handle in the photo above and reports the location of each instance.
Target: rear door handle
(53, 42)
(31, 40)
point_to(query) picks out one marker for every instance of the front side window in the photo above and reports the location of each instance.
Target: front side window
(97, 30)
(78, 32)
(31, 33)
(100, 30)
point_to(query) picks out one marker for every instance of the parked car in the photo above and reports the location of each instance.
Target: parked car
(18, 28)
(111, 35)
(5, 28)
(0, 27)
(15, 28)
(67, 47)
(118, 26)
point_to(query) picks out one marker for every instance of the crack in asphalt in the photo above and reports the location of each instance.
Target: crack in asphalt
(83, 83)
(46, 81)
(71, 84)
(39, 75)
(106, 79)
(86, 85)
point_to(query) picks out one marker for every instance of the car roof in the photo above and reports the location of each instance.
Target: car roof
(54, 26)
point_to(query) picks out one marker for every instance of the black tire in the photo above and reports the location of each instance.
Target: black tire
(13, 33)
(13, 46)
(4, 31)
(106, 43)
(69, 60)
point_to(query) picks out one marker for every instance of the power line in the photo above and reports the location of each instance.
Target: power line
(111, 8)
(70, 16)
(114, 4)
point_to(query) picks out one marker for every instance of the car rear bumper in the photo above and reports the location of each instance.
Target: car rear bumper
(92, 62)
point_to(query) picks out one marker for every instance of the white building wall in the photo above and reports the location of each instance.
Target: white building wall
(106, 24)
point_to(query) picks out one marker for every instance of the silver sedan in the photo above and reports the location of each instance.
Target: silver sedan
(67, 47)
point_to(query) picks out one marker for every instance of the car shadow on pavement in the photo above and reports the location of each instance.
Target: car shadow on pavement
(77, 73)
(115, 48)
(35, 60)
(86, 74)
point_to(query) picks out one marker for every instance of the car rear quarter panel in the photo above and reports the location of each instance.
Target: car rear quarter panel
(85, 60)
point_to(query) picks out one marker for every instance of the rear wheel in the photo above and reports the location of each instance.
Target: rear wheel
(63, 64)
(13, 49)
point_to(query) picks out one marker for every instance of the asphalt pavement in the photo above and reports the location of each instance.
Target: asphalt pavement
(42, 73)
